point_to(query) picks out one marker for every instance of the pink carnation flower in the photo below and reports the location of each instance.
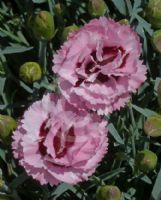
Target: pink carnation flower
(56, 143)
(99, 66)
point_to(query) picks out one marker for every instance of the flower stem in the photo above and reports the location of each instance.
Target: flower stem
(132, 130)
(42, 55)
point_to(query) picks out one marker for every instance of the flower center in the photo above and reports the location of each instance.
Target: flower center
(94, 66)
(62, 141)
(43, 133)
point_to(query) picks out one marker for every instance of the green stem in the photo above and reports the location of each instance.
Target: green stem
(51, 4)
(132, 117)
(6, 103)
(133, 143)
(132, 130)
(42, 55)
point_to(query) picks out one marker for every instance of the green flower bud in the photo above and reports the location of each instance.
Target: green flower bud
(59, 9)
(124, 22)
(146, 160)
(156, 40)
(152, 126)
(30, 72)
(43, 26)
(108, 192)
(153, 13)
(7, 125)
(67, 30)
(97, 8)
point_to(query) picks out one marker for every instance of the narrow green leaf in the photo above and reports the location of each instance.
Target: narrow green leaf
(129, 6)
(50, 3)
(145, 24)
(144, 111)
(146, 179)
(10, 35)
(3, 155)
(48, 86)
(115, 134)
(157, 81)
(2, 84)
(23, 39)
(26, 87)
(2, 107)
(121, 6)
(60, 190)
(156, 192)
(137, 4)
(15, 49)
(111, 174)
(39, 1)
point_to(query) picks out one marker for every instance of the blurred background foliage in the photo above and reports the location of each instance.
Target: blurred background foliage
(25, 75)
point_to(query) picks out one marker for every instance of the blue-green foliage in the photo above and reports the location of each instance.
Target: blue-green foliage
(126, 134)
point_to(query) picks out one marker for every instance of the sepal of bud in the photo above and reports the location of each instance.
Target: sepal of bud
(153, 14)
(124, 22)
(97, 8)
(7, 125)
(156, 40)
(152, 126)
(146, 160)
(108, 192)
(43, 26)
(67, 30)
(59, 9)
(30, 72)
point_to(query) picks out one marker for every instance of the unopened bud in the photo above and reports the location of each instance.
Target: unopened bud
(7, 125)
(43, 26)
(124, 22)
(97, 8)
(68, 30)
(59, 9)
(30, 72)
(156, 40)
(146, 160)
(152, 126)
(153, 13)
(108, 192)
